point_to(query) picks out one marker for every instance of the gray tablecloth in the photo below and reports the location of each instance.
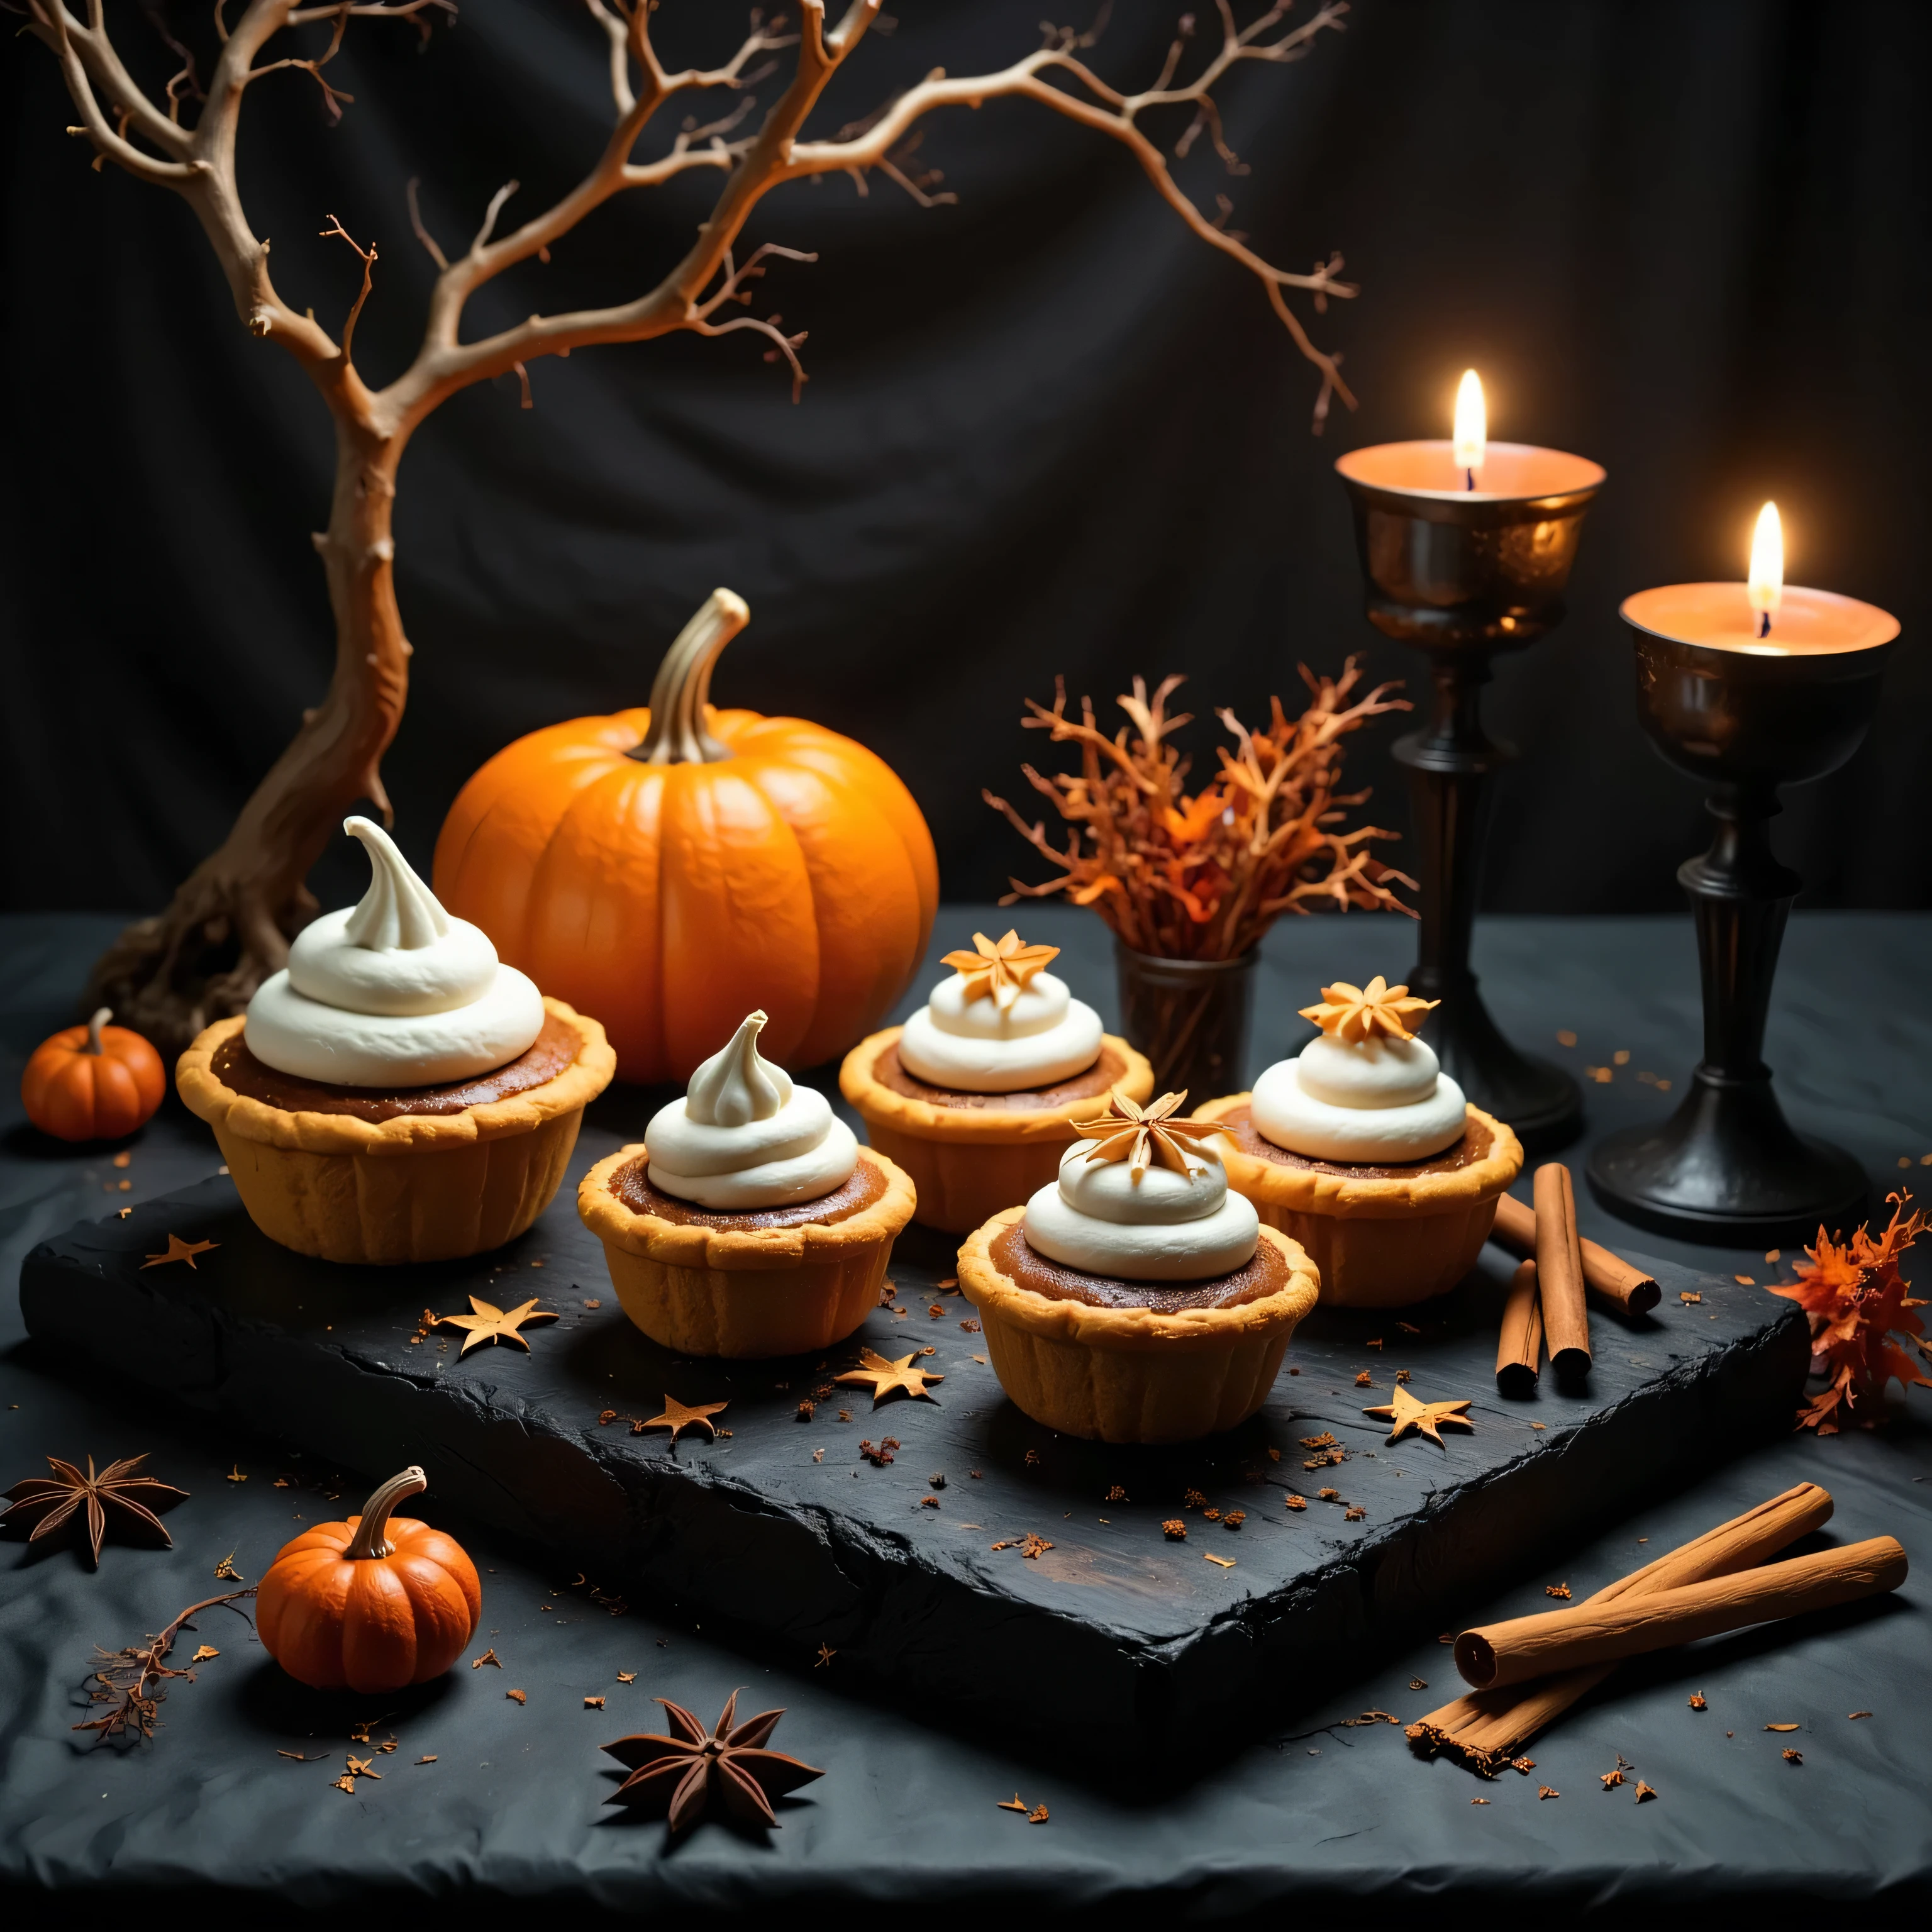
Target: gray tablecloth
(512, 1808)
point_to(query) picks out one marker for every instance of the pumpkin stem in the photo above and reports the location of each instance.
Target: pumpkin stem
(369, 1540)
(681, 694)
(102, 1015)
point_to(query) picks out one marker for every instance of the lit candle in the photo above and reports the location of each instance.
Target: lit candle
(1763, 616)
(1472, 427)
(1766, 584)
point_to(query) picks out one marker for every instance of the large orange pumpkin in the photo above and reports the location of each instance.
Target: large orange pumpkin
(671, 868)
(92, 1082)
(372, 1604)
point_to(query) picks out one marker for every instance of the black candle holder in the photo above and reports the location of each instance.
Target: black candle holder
(1463, 574)
(1727, 1166)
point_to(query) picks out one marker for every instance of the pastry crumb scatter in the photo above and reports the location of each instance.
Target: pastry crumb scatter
(1330, 1495)
(928, 1502)
(593, 1703)
(1353, 1513)
(1362, 1380)
(1234, 1519)
(1297, 1502)
(1698, 1702)
(1116, 1494)
(1212, 1515)
(972, 1328)
(1548, 1791)
(517, 1697)
(1685, 1295)
(1561, 1590)
(1192, 1499)
(1326, 1440)
(1793, 1757)
(1034, 1547)
(1173, 1529)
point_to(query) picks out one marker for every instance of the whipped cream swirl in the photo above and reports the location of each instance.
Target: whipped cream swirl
(974, 1045)
(392, 992)
(1367, 1100)
(1156, 1224)
(744, 1137)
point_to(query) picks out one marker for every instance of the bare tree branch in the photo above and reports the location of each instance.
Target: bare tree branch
(367, 258)
(423, 234)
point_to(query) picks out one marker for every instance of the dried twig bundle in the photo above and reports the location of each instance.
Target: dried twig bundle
(1203, 878)
(129, 1682)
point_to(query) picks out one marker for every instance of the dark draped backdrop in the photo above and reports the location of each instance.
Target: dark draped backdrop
(1047, 432)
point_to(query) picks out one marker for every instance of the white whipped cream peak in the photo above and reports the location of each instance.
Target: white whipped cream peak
(737, 1085)
(392, 992)
(744, 1136)
(1363, 1090)
(398, 910)
(980, 1032)
(1108, 1215)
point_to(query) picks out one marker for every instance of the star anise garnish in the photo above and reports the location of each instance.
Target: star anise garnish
(57, 1498)
(1000, 971)
(680, 1772)
(1358, 1013)
(1127, 1131)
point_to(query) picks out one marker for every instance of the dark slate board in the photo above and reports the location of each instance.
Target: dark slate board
(1116, 1647)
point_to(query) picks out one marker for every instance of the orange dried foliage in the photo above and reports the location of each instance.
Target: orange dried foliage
(1857, 1300)
(1204, 876)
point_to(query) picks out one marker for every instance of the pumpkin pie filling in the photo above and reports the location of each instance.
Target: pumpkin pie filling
(1473, 1147)
(632, 1186)
(1026, 1268)
(555, 1048)
(888, 1071)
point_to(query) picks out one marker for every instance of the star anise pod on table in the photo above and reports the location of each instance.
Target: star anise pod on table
(57, 1498)
(680, 1773)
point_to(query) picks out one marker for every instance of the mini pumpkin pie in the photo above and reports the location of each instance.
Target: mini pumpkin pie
(395, 1093)
(1134, 1298)
(750, 1222)
(978, 1095)
(1366, 1152)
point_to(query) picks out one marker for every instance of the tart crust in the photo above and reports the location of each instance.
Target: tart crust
(967, 1163)
(418, 1187)
(1130, 1374)
(745, 1293)
(1381, 1240)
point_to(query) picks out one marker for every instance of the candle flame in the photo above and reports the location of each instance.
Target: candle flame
(1472, 437)
(1767, 567)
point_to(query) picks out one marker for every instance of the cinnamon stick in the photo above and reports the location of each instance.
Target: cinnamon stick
(1483, 1727)
(1501, 1654)
(1519, 1349)
(1604, 1274)
(1559, 1273)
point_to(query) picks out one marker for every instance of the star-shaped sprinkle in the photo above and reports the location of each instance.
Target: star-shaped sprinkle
(1143, 1136)
(58, 1498)
(179, 1250)
(1000, 972)
(493, 1325)
(1405, 1413)
(886, 1378)
(1358, 1013)
(677, 1418)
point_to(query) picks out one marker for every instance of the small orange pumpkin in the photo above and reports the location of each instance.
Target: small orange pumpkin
(94, 1082)
(371, 1603)
(669, 869)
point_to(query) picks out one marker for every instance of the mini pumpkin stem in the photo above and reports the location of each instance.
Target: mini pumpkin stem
(369, 1540)
(681, 694)
(102, 1015)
